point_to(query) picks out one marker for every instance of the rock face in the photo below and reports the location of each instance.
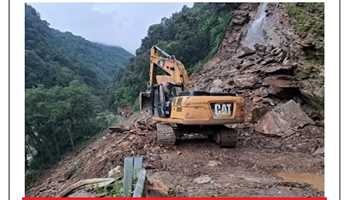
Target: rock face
(282, 93)
(283, 120)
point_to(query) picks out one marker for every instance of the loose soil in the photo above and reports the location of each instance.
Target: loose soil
(240, 171)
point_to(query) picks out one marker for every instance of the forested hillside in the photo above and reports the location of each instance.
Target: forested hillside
(56, 58)
(66, 78)
(193, 35)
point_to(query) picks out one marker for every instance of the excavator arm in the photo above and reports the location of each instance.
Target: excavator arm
(174, 70)
(165, 70)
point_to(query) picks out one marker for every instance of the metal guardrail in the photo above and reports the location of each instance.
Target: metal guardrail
(134, 177)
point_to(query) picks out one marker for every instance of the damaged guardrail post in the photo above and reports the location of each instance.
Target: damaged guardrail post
(134, 177)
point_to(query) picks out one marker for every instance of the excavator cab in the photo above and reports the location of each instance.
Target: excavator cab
(179, 112)
(157, 100)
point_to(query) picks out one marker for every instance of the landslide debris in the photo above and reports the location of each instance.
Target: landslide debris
(99, 157)
(283, 120)
(283, 93)
(283, 130)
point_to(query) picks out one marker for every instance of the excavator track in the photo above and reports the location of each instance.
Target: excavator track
(226, 138)
(165, 135)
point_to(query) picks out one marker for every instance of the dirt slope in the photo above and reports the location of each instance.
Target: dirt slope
(241, 171)
(269, 79)
(280, 147)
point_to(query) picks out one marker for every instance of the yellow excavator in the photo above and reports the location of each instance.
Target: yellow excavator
(179, 112)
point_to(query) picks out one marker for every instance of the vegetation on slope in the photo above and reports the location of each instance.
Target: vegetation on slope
(193, 35)
(308, 20)
(65, 81)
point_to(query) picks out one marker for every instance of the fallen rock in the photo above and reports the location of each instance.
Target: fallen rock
(279, 69)
(319, 151)
(245, 51)
(268, 61)
(217, 86)
(115, 172)
(214, 163)
(246, 80)
(280, 81)
(260, 49)
(283, 120)
(246, 64)
(258, 111)
(202, 179)
(240, 17)
(160, 184)
(313, 93)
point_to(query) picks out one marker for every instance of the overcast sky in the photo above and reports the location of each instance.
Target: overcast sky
(122, 24)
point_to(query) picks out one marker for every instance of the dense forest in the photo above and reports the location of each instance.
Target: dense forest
(74, 87)
(193, 35)
(66, 81)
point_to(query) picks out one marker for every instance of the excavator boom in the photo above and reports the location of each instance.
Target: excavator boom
(164, 70)
(173, 69)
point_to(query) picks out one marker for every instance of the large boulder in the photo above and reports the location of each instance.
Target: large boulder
(160, 184)
(280, 81)
(245, 80)
(283, 120)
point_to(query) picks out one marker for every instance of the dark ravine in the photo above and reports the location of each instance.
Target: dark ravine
(280, 144)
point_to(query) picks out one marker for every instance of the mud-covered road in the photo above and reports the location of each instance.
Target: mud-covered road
(201, 168)
(196, 167)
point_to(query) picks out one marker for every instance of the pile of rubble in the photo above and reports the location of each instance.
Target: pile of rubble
(280, 105)
(135, 137)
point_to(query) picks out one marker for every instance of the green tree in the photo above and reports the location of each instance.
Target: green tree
(192, 35)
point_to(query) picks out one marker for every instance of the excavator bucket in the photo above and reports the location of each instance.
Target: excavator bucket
(145, 101)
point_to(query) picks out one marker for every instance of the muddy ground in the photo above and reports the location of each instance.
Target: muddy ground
(239, 171)
(196, 167)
